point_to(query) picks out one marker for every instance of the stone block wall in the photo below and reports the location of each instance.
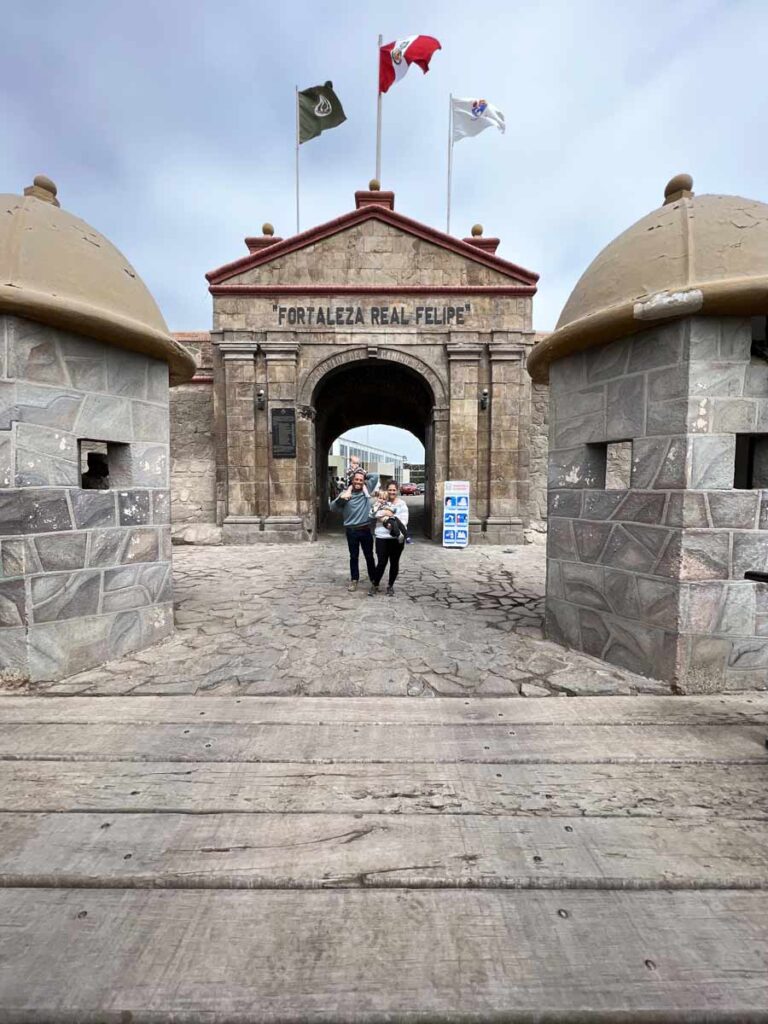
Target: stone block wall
(85, 575)
(193, 448)
(651, 576)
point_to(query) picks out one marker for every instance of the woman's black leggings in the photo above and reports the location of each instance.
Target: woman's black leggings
(388, 551)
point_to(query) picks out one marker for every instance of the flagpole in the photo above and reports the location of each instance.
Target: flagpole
(297, 159)
(450, 164)
(378, 111)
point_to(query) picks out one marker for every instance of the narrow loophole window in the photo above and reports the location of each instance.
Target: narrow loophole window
(751, 463)
(618, 466)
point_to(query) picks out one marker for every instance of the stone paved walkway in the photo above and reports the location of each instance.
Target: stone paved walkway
(278, 620)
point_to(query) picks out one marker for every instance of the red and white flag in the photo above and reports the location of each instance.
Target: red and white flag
(395, 58)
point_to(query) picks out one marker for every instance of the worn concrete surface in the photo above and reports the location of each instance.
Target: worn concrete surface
(279, 620)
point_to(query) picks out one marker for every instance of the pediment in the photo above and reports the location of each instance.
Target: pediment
(372, 247)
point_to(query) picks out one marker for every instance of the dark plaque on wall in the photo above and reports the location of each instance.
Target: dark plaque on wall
(283, 433)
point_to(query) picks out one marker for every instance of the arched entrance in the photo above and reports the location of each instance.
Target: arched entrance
(314, 334)
(362, 390)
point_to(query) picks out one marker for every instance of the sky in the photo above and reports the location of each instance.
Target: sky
(169, 126)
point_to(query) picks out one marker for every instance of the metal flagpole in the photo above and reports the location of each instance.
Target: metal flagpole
(450, 163)
(378, 112)
(297, 159)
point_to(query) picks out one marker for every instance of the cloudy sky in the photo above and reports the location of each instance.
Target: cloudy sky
(170, 125)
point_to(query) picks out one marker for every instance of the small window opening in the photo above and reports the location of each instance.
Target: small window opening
(104, 465)
(760, 337)
(751, 465)
(618, 466)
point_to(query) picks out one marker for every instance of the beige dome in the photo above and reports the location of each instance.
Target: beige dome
(696, 254)
(56, 269)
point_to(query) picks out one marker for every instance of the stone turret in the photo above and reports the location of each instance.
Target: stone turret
(85, 361)
(658, 463)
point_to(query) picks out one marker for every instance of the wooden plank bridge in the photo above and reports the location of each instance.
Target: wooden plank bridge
(222, 859)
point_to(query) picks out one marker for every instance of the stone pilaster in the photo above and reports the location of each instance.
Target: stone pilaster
(464, 366)
(238, 351)
(507, 476)
(436, 451)
(285, 521)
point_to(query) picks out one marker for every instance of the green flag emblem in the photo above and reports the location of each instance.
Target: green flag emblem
(319, 109)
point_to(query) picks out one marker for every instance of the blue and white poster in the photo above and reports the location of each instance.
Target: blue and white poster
(456, 514)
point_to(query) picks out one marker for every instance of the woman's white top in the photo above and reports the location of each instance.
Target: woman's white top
(401, 511)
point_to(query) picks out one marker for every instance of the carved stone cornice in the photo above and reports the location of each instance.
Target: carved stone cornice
(280, 351)
(465, 352)
(237, 344)
(506, 353)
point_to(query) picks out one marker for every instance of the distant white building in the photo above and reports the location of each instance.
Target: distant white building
(387, 464)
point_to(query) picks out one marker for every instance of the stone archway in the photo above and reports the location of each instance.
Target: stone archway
(374, 296)
(355, 388)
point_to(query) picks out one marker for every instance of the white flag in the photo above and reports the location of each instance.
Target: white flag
(470, 117)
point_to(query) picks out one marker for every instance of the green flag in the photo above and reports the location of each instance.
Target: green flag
(319, 109)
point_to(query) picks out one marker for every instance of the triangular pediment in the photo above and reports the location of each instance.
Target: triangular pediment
(369, 247)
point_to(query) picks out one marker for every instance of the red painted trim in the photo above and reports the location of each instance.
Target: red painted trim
(348, 220)
(369, 289)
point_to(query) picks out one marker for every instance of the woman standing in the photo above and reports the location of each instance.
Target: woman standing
(390, 516)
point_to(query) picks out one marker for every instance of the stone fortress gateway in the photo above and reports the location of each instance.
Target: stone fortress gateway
(653, 387)
(316, 334)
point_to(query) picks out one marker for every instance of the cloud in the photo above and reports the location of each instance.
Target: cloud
(170, 126)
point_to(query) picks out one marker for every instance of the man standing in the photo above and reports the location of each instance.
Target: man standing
(355, 503)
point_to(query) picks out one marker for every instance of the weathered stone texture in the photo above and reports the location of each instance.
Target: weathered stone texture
(651, 576)
(61, 395)
(193, 454)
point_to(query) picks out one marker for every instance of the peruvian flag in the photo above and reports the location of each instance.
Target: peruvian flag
(395, 58)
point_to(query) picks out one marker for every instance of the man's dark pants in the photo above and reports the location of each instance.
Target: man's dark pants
(360, 537)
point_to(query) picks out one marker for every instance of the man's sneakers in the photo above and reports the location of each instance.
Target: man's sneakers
(390, 591)
(373, 590)
(352, 586)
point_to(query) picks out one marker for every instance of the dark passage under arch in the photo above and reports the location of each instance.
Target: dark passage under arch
(372, 391)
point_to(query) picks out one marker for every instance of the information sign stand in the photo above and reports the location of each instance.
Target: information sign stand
(456, 514)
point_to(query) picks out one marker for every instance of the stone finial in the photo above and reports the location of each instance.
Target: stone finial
(679, 187)
(255, 243)
(477, 230)
(44, 189)
(374, 185)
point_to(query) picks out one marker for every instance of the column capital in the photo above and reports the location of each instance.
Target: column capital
(236, 344)
(280, 351)
(463, 352)
(506, 353)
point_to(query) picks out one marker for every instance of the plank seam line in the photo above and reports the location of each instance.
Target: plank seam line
(368, 880)
(688, 820)
(538, 761)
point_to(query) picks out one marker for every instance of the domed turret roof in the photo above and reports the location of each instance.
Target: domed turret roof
(56, 269)
(696, 254)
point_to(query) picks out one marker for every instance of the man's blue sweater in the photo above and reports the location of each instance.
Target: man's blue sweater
(356, 510)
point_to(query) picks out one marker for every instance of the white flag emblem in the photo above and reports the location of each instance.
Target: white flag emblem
(470, 117)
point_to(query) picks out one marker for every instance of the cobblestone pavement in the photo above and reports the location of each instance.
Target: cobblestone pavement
(278, 620)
